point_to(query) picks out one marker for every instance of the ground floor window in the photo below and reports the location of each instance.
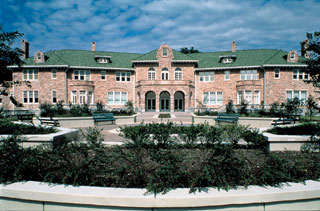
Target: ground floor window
(54, 96)
(300, 94)
(117, 98)
(74, 97)
(250, 97)
(30, 97)
(82, 97)
(212, 98)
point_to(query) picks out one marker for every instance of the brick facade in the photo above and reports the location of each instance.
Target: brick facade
(158, 93)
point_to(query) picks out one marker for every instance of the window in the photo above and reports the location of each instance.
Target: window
(82, 97)
(83, 75)
(212, 98)
(300, 94)
(165, 74)
(123, 76)
(30, 74)
(227, 60)
(54, 74)
(164, 52)
(151, 74)
(103, 75)
(277, 73)
(54, 96)
(248, 75)
(74, 97)
(117, 98)
(248, 96)
(227, 75)
(0, 99)
(30, 97)
(299, 74)
(90, 98)
(239, 97)
(256, 97)
(178, 74)
(103, 60)
(39, 56)
(292, 55)
(206, 76)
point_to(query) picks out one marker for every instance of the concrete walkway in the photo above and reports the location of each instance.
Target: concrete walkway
(111, 132)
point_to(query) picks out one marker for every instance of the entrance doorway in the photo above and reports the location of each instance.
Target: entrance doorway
(164, 101)
(179, 101)
(150, 101)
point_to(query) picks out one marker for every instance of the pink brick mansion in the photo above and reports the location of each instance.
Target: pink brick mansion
(161, 80)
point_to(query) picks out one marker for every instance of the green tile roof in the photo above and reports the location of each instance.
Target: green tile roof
(86, 58)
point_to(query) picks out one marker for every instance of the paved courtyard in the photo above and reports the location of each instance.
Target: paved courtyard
(111, 132)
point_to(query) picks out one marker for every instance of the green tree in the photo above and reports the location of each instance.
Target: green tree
(189, 51)
(311, 106)
(314, 61)
(230, 107)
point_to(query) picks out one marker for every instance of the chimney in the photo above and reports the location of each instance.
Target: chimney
(93, 46)
(25, 49)
(234, 46)
(304, 48)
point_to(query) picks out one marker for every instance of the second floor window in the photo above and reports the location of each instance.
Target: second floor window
(248, 75)
(165, 74)
(151, 74)
(299, 74)
(123, 76)
(277, 73)
(83, 75)
(54, 74)
(206, 76)
(178, 74)
(227, 75)
(30, 74)
(103, 75)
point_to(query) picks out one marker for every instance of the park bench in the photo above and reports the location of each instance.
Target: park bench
(286, 119)
(228, 118)
(24, 116)
(48, 121)
(102, 117)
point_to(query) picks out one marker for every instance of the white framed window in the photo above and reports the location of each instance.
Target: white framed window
(54, 97)
(277, 73)
(289, 95)
(123, 76)
(248, 96)
(212, 98)
(164, 74)
(302, 95)
(82, 97)
(239, 97)
(151, 74)
(227, 60)
(54, 74)
(248, 75)
(117, 98)
(90, 98)
(30, 75)
(103, 60)
(83, 75)
(226, 75)
(164, 51)
(74, 97)
(30, 97)
(103, 75)
(292, 55)
(300, 74)
(178, 74)
(256, 97)
(206, 76)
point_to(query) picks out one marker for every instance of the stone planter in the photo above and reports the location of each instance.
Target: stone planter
(42, 196)
(285, 142)
(255, 122)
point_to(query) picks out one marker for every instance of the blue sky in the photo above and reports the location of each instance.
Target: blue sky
(143, 25)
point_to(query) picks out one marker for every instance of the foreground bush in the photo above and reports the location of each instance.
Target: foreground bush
(8, 127)
(158, 162)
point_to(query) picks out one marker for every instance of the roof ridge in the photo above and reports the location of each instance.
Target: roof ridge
(268, 59)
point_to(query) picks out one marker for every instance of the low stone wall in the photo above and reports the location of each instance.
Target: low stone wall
(285, 142)
(41, 196)
(82, 122)
(255, 122)
(34, 140)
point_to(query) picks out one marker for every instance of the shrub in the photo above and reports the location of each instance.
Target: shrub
(243, 108)
(7, 127)
(275, 109)
(46, 110)
(303, 129)
(59, 108)
(292, 106)
(100, 107)
(230, 107)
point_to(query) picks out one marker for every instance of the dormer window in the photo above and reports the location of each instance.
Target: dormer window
(164, 51)
(103, 59)
(38, 57)
(227, 59)
(292, 56)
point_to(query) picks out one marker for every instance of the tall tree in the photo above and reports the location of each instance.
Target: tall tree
(314, 61)
(8, 56)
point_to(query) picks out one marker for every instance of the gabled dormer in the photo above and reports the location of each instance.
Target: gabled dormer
(165, 52)
(227, 59)
(103, 59)
(38, 57)
(292, 56)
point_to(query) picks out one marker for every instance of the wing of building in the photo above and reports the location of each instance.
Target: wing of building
(161, 80)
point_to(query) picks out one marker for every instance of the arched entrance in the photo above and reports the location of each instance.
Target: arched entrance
(150, 101)
(164, 101)
(179, 103)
